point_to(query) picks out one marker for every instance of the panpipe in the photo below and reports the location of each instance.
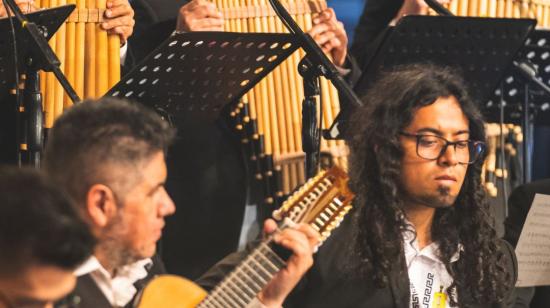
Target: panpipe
(90, 58)
(269, 116)
(496, 166)
(536, 9)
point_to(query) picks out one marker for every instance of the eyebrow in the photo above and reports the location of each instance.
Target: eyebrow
(156, 187)
(440, 133)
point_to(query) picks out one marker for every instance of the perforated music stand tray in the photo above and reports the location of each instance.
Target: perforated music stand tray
(537, 51)
(49, 19)
(201, 72)
(481, 48)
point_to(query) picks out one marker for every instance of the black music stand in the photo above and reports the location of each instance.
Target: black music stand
(194, 76)
(49, 21)
(522, 100)
(34, 55)
(481, 48)
(201, 72)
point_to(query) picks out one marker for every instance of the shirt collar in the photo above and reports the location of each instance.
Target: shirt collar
(118, 290)
(92, 265)
(410, 245)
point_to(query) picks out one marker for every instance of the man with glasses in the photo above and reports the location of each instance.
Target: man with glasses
(420, 235)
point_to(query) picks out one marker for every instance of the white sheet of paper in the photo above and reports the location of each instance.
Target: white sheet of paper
(533, 249)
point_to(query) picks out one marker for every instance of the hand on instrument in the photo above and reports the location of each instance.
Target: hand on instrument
(301, 240)
(329, 33)
(26, 6)
(199, 15)
(416, 7)
(119, 19)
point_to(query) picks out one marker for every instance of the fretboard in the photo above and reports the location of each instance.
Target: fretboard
(243, 284)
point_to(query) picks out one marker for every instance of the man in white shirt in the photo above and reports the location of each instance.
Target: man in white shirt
(419, 234)
(422, 228)
(42, 240)
(110, 158)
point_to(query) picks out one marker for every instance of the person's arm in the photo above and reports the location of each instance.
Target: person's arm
(199, 15)
(415, 7)
(377, 16)
(119, 19)
(26, 6)
(331, 36)
(301, 240)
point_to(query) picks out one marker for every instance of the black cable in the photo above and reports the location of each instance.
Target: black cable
(319, 136)
(502, 152)
(18, 103)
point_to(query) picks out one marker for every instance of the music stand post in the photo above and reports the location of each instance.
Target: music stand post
(318, 64)
(42, 54)
(32, 32)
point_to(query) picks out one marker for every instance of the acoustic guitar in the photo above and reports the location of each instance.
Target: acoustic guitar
(322, 202)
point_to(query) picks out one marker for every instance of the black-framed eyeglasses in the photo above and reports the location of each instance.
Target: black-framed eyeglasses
(432, 147)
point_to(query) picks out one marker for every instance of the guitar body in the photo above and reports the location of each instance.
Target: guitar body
(171, 291)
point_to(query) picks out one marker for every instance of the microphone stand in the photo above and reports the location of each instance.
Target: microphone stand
(44, 58)
(314, 65)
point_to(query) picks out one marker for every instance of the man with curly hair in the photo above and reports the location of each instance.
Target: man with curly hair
(421, 229)
(420, 235)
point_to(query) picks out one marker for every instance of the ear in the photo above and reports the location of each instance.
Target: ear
(101, 205)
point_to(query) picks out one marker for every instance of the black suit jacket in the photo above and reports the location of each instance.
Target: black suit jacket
(331, 281)
(519, 204)
(87, 294)
(376, 16)
(155, 21)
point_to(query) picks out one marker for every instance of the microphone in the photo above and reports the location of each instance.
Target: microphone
(438, 8)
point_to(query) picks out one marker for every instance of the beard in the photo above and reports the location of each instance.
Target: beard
(442, 198)
(118, 252)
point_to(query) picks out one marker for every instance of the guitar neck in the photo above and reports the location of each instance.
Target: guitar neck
(242, 285)
(322, 203)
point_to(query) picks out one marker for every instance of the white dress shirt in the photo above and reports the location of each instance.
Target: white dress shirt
(118, 290)
(427, 274)
(123, 53)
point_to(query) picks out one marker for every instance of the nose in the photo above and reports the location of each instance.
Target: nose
(449, 156)
(167, 206)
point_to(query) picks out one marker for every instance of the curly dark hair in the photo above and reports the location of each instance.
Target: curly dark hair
(375, 172)
(103, 141)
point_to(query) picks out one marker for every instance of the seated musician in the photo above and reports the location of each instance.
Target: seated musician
(204, 201)
(42, 240)
(110, 158)
(419, 235)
